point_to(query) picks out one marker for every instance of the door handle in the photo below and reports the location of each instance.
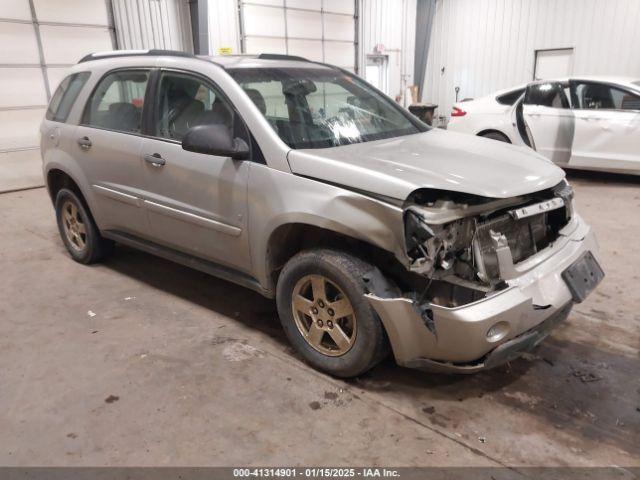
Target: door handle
(155, 159)
(85, 143)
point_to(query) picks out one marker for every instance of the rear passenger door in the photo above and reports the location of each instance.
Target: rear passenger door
(196, 203)
(107, 145)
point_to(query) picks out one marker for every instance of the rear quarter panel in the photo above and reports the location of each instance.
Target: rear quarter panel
(484, 114)
(56, 147)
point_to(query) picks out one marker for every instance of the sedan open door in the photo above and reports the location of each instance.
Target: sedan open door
(545, 120)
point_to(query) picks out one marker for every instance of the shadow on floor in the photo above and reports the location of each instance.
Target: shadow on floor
(225, 298)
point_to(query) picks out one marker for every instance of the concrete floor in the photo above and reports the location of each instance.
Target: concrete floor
(143, 362)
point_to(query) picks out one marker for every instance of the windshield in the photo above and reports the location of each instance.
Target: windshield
(321, 107)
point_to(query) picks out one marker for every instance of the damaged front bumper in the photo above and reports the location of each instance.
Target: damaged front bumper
(497, 328)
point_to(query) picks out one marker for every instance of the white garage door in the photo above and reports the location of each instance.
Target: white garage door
(40, 39)
(320, 30)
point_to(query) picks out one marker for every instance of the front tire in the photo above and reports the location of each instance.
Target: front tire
(322, 308)
(78, 230)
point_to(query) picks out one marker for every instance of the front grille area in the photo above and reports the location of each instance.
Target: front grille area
(525, 237)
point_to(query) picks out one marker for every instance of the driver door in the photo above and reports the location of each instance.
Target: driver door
(607, 126)
(549, 120)
(196, 203)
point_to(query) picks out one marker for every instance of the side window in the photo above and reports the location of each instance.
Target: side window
(116, 103)
(510, 98)
(599, 96)
(185, 101)
(65, 95)
(547, 95)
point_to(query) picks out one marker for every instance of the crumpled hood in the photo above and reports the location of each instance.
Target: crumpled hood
(436, 159)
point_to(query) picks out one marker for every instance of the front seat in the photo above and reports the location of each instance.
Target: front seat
(257, 98)
(182, 108)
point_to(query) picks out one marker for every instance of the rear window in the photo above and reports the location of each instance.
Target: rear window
(64, 96)
(116, 103)
(510, 98)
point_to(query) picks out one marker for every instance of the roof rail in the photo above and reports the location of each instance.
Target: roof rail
(278, 56)
(133, 53)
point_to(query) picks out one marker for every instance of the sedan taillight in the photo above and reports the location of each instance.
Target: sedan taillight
(458, 112)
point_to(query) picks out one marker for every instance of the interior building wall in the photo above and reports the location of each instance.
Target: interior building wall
(484, 45)
(387, 28)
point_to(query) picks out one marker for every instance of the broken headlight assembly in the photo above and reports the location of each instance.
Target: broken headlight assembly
(437, 247)
(463, 239)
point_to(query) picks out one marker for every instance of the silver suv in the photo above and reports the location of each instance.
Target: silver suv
(301, 181)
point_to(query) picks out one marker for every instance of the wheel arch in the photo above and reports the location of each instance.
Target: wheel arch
(290, 238)
(57, 179)
(486, 131)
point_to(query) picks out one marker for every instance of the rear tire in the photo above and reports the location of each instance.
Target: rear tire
(323, 311)
(501, 137)
(78, 230)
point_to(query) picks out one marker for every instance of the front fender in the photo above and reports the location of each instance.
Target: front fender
(278, 198)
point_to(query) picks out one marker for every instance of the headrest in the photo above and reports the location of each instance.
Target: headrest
(257, 98)
(123, 108)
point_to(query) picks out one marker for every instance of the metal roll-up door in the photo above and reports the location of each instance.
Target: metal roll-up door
(320, 30)
(40, 39)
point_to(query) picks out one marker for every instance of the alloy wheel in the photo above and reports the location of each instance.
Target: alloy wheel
(74, 227)
(324, 315)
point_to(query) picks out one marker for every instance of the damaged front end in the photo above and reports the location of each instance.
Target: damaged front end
(476, 242)
(478, 289)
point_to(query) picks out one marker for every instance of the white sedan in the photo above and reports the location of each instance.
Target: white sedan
(591, 123)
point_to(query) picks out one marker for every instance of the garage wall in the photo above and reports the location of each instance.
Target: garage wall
(485, 45)
(40, 39)
(143, 24)
(390, 25)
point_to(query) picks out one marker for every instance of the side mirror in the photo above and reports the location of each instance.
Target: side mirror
(215, 140)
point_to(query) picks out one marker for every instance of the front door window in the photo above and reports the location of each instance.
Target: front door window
(600, 96)
(186, 101)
